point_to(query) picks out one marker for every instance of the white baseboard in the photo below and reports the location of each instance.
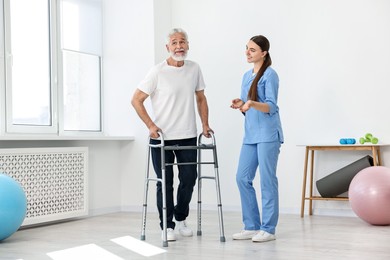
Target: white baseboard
(209, 207)
(103, 211)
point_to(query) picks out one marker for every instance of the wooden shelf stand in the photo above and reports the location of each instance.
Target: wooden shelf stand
(374, 149)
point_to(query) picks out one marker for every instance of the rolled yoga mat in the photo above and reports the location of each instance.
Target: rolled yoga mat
(338, 182)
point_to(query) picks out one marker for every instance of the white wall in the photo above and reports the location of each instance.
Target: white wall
(128, 55)
(332, 58)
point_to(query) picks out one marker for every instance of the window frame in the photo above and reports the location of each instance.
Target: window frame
(56, 80)
(32, 129)
(61, 124)
(60, 85)
(2, 71)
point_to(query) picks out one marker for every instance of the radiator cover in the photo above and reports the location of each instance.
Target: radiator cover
(55, 181)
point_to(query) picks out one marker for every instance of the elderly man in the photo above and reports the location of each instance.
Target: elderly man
(173, 85)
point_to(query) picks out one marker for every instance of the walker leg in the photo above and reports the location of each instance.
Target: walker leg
(199, 229)
(221, 229)
(146, 189)
(217, 185)
(144, 211)
(164, 198)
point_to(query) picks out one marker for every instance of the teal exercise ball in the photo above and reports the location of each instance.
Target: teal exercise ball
(13, 206)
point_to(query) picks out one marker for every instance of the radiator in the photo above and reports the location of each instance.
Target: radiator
(55, 181)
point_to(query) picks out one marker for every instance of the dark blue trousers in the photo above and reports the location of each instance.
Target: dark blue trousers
(187, 179)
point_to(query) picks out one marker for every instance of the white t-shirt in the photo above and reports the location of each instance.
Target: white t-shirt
(172, 92)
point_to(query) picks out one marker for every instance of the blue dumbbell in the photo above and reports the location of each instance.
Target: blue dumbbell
(347, 141)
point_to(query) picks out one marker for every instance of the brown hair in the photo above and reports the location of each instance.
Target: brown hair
(264, 45)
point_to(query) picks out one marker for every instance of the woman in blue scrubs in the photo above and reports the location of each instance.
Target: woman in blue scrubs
(261, 143)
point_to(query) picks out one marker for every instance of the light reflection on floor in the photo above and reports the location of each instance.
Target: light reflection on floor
(138, 246)
(92, 251)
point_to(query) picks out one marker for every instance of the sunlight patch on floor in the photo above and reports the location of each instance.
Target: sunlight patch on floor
(90, 251)
(138, 246)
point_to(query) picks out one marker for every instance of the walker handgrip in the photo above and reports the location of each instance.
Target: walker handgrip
(211, 136)
(160, 133)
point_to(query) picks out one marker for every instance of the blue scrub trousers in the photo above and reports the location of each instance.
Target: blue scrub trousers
(265, 156)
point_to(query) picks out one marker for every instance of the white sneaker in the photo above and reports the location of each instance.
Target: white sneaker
(263, 236)
(245, 234)
(183, 229)
(170, 235)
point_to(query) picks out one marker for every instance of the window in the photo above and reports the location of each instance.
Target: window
(29, 84)
(52, 66)
(81, 50)
(81, 88)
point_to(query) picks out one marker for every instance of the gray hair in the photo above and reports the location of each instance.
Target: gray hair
(177, 30)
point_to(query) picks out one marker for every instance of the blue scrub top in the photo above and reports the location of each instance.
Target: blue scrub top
(259, 126)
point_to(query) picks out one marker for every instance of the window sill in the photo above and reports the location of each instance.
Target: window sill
(64, 138)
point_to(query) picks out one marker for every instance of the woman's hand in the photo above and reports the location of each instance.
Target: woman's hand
(245, 107)
(237, 103)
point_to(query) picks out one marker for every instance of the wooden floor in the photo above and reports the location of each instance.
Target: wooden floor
(315, 237)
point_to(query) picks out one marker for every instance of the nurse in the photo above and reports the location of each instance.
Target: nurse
(261, 143)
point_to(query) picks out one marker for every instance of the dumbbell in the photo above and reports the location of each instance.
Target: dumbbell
(368, 138)
(347, 141)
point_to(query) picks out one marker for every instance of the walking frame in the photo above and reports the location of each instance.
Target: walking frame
(201, 146)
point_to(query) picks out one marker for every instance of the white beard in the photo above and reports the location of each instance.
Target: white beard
(178, 58)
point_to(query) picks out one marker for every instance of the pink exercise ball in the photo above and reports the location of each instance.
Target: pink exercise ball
(369, 195)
